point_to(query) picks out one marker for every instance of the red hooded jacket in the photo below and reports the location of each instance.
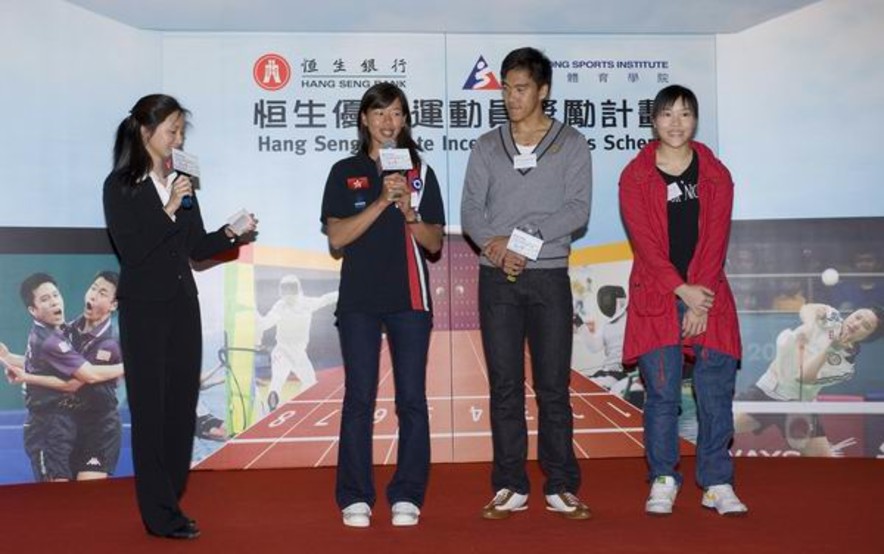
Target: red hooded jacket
(652, 320)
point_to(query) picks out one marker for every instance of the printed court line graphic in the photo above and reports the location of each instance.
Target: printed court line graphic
(302, 432)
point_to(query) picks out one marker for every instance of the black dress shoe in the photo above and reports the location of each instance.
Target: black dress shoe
(186, 532)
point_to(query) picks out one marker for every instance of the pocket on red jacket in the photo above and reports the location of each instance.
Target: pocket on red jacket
(645, 300)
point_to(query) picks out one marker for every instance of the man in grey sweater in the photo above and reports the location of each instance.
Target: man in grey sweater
(535, 174)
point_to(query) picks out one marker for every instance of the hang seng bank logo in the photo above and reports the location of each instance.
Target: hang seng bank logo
(272, 72)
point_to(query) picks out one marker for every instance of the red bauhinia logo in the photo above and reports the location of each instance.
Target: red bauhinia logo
(272, 72)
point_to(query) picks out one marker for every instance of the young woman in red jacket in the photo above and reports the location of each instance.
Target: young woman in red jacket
(676, 199)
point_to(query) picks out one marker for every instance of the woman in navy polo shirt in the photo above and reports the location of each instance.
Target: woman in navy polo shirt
(384, 223)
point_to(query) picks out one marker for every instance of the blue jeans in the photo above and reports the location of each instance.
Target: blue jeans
(536, 307)
(408, 334)
(714, 378)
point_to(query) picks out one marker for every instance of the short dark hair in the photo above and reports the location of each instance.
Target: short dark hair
(669, 95)
(30, 284)
(111, 277)
(531, 60)
(380, 96)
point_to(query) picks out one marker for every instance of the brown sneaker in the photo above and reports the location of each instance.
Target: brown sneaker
(568, 506)
(504, 503)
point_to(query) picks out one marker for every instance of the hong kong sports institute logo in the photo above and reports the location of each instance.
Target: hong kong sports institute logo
(272, 72)
(481, 77)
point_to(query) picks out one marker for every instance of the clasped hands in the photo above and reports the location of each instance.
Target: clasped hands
(699, 300)
(511, 263)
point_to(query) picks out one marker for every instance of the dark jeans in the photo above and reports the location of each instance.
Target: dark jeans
(537, 306)
(714, 377)
(408, 334)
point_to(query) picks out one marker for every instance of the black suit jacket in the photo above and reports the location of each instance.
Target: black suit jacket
(154, 251)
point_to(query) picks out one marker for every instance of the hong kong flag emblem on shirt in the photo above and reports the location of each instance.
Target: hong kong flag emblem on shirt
(357, 183)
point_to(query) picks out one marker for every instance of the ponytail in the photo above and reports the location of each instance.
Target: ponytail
(130, 158)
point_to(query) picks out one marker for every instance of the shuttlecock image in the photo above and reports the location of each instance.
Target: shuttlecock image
(830, 277)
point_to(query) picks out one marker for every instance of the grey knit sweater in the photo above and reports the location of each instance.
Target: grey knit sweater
(554, 196)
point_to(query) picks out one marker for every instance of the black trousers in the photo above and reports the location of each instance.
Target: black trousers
(162, 353)
(536, 307)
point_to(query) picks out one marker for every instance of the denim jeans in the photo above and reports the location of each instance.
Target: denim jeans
(714, 377)
(536, 307)
(408, 334)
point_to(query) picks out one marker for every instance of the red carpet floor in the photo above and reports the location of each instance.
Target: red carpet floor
(796, 505)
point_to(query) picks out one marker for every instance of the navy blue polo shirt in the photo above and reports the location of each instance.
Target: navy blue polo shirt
(100, 347)
(384, 270)
(49, 353)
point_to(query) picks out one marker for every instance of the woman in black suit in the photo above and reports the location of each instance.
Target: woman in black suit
(156, 232)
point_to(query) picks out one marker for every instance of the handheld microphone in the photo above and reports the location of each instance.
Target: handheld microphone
(188, 165)
(187, 202)
(388, 165)
(174, 172)
(533, 231)
(389, 144)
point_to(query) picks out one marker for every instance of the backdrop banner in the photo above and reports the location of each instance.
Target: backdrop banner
(271, 113)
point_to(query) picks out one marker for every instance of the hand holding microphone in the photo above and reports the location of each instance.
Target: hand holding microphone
(395, 188)
(187, 200)
(180, 193)
(394, 164)
(513, 265)
(187, 165)
(523, 244)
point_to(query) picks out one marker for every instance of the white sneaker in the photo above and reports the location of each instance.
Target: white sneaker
(405, 514)
(723, 499)
(504, 503)
(664, 489)
(357, 515)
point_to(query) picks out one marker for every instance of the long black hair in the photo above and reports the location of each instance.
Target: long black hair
(131, 159)
(380, 96)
